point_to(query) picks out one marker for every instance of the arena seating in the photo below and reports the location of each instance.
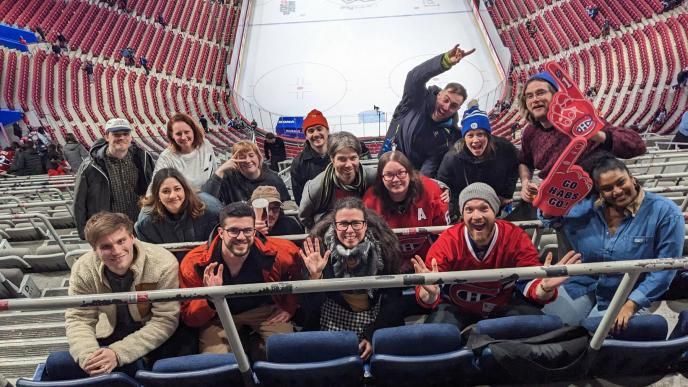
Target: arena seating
(610, 64)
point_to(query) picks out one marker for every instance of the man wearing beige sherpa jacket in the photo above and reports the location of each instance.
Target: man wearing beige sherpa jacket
(116, 337)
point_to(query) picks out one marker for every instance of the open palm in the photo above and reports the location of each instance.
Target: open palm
(315, 261)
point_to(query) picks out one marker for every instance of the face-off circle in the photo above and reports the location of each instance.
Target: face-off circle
(286, 89)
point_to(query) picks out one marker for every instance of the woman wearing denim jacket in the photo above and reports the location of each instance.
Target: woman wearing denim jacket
(618, 221)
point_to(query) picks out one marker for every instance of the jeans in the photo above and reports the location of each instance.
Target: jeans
(61, 366)
(573, 312)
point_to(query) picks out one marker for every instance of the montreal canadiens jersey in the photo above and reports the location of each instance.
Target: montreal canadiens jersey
(426, 210)
(510, 247)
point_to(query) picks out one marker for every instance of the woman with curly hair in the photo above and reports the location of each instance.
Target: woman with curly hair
(352, 241)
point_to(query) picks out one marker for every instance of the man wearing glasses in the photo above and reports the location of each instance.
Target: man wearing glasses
(237, 255)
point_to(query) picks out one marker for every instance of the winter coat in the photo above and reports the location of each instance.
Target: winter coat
(75, 154)
(154, 268)
(182, 229)
(279, 259)
(312, 209)
(27, 162)
(235, 187)
(92, 187)
(412, 129)
(499, 170)
(306, 166)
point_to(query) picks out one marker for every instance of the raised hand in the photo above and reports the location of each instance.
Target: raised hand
(420, 268)
(314, 261)
(230, 165)
(456, 54)
(566, 184)
(211, 277)
(570, 258)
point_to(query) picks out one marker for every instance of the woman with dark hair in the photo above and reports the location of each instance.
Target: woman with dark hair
(405, 198)
(174, 212)
(618, 221)
(353, 241)
(343, 177)
(189, 151)
(479, 157)
(74, 152)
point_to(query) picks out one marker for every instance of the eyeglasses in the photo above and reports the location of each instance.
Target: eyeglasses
(355, 224)
(538, 93)
(234, 232)
(275, 208)
(389, 176)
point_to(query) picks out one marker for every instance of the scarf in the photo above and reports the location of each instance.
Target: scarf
(331, 182)
(367, 253)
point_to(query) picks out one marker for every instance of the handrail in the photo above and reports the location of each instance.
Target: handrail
(29, 191)
(631, 269)
(182, 246)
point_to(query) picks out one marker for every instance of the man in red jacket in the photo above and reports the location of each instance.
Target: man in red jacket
(237, 255)
(483, 242)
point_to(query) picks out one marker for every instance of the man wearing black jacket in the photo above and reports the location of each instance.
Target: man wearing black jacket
(313, 159)
(115, 176)
(274, 150)
(425, 123)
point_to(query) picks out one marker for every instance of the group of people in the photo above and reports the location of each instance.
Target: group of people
(432, 174)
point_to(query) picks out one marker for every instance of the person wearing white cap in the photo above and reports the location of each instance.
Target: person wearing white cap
(115, 176)
(483, 242)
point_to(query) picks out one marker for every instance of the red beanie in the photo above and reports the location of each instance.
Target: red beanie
(314, 117)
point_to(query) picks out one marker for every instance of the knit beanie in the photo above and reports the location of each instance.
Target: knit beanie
(547, 77)
(314, 117)
(474, 118)
(479, 191)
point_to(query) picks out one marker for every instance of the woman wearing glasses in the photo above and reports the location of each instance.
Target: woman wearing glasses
(405, 198)
(479, 157)
(174, 213)
(352, 241)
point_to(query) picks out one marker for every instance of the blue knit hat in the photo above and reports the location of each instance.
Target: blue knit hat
(547, 77)
(474, 118)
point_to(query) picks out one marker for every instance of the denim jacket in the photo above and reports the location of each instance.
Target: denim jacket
(655, 231)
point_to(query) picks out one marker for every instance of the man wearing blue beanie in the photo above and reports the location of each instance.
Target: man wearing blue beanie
(479, 158)
(424, 124)
(541, 143)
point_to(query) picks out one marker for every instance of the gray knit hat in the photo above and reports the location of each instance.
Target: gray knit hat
(479, 191)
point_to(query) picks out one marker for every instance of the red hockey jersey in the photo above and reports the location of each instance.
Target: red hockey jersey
(510, 247)
(427, 210)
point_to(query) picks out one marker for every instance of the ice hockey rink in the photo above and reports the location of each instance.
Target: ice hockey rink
(345, 56)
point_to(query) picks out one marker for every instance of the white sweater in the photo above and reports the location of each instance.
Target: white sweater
(197, 166)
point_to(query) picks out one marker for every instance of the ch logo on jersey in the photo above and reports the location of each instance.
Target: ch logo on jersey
(472, 293)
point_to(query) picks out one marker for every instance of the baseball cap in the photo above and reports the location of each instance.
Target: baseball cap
(117, 125)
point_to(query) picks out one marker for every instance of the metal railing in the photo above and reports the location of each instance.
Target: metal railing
(631, 272)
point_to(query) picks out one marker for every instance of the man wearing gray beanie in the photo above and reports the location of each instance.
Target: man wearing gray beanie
(482, 241)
